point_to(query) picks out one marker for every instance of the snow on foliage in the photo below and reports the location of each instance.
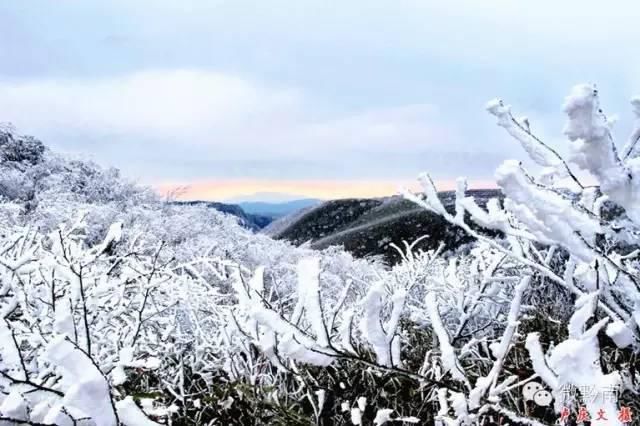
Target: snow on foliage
(119, 308)
(574, 239)
(75, 319)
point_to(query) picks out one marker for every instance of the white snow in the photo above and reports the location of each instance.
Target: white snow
(131, 415)
(449, 360)
(89, 391)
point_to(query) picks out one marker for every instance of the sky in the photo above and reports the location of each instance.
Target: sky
(326, 99)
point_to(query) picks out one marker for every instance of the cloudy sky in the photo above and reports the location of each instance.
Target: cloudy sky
(320, 98)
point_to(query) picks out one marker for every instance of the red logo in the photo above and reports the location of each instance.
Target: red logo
(624, 415)
(601, 415)
(583, 415)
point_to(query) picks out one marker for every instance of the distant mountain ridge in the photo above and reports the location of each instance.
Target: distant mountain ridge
(276, 210)
(265, 197)
(367, 227)
(257, 215)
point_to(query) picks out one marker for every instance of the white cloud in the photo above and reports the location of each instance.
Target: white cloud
(174, 114)
(153, 103)
(291, 69)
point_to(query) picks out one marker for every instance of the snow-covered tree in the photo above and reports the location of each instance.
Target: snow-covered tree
(568, 238)
(78, 319)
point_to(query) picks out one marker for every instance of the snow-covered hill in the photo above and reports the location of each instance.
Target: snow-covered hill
(369, 227)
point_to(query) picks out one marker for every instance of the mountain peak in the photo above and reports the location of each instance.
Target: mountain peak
(266, 197)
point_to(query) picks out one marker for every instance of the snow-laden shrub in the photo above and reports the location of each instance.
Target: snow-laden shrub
(77, 321)
(562, 244)
(96, 333)
(557, 212)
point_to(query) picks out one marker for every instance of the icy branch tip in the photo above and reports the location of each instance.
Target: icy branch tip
(496, 107)
(581, 96)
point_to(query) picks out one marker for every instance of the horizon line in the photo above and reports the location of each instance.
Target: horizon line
(323, 189)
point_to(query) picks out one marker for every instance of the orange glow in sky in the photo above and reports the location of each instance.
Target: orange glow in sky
(222, 189)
